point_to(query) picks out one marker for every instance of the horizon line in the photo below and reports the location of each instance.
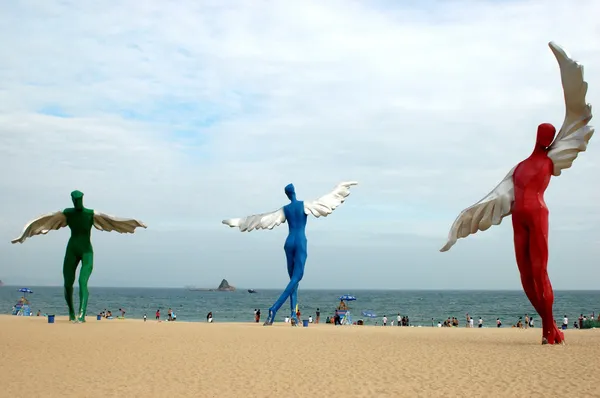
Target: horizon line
(315, 289)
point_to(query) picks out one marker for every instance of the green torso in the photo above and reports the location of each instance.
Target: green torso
(80, 222)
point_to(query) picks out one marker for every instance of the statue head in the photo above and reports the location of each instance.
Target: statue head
(545, 135)
(290, 192)
(77, 197)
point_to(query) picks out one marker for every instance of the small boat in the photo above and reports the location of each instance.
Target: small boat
(251, 291)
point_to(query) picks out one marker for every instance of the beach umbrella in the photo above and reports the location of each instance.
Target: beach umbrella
(347, 297)
(369, 314)
(25, 290)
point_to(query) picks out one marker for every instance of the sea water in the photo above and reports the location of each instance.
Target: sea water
(419, 305)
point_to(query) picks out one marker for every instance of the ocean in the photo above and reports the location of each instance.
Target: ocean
(419, 305)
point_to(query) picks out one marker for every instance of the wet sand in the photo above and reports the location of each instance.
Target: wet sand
(130, 358)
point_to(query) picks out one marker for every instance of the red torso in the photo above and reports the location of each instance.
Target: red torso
(530, 179)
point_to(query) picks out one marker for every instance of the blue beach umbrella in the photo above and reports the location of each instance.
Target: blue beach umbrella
(347, 297)
(369, 314)
(25, 290)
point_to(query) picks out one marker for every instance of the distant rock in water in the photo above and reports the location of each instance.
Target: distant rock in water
(225, 287)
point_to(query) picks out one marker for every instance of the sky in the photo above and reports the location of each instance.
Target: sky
(187, 113)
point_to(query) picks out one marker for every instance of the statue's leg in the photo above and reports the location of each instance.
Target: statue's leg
(538, 249)
(284, 295)
(69, 270)
(299, 263)
(521, 241)
(290, 266)
(293, 303)
(289, 253)
(87, 266)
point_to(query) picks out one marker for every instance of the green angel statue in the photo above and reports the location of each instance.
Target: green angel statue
(79, 249)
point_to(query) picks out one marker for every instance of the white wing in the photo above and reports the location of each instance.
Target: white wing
(485, 213)
(42, 225)
(257, 221)
(326, 204)
(574, 134)
(107, 223)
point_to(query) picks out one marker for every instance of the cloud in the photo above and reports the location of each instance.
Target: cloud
(184, 115)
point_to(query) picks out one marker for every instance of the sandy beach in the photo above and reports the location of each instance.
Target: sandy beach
(130, 358)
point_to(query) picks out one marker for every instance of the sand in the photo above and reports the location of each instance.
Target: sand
(130, 358)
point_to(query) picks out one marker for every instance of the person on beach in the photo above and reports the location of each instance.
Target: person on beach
(399, 320)
(258, 315)
(526, 321)
(318, 314)
(384, 320)
(498, 322)
(565, 324)
(310, 319)
(158, 314)
(145, 317)
(209, 317)
(480, 322)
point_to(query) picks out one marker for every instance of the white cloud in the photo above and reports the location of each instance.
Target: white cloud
(184, 115)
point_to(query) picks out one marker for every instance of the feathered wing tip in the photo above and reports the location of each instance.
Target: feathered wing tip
(574, 134)
(482, 215)
(42, 225)
(108, 223)
(257, 221)
(326, 204)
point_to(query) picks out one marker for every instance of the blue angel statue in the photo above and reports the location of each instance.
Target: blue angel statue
(296, 244)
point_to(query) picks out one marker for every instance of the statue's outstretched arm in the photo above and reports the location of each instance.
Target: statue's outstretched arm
(485, 213)
(575, 133)
(326, 204)
(107, 223)
(257, 221)
(42, 225)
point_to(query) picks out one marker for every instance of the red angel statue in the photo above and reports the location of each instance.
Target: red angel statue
(521, 193)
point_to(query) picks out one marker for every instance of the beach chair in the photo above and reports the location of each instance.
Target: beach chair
(347, 319)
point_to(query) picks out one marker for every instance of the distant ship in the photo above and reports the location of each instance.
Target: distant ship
(251, 291)
(198, 289)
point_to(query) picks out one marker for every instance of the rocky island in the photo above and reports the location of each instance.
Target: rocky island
(225, 287)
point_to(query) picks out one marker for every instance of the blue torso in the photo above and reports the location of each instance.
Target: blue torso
(296, 220)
